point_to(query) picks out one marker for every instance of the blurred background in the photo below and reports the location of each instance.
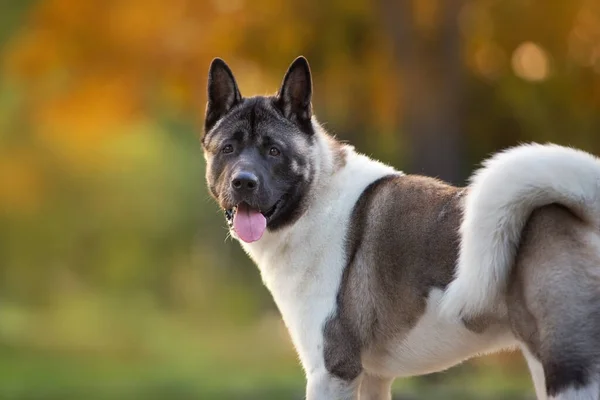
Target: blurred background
(116, 278)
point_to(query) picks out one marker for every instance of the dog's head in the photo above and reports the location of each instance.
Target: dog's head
(258, 150)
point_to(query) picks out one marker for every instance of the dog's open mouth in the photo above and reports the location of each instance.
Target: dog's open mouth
(250, 223)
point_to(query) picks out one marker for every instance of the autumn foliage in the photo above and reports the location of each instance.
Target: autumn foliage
(109, 242)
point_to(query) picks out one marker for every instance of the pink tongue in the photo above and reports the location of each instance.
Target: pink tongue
(248, 223)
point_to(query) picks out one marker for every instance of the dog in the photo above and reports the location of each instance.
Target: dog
(380, 274)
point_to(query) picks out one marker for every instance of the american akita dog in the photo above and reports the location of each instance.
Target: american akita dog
(379, 275)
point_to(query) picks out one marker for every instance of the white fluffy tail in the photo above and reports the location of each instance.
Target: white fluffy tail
(502, 195)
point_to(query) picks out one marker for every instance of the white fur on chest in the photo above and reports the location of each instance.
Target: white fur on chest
(434, 344)
(302, 265)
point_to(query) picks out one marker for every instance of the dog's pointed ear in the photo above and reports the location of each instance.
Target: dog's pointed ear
(223, 92)
(294, 97)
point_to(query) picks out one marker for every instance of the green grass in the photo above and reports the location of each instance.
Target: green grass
(132, 353)
(26, 374)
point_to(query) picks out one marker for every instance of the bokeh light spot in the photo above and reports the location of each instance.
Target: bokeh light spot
(531, 62)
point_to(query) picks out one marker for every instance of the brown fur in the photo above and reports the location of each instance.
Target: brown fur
(553, 298)
(387, 279)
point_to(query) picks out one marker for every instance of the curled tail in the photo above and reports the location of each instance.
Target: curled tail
(502, 195)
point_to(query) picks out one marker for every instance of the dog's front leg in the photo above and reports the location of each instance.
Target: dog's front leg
(322, 385)
(375, 388)
(335, 372)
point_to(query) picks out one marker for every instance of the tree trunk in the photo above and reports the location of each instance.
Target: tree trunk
(432, 86)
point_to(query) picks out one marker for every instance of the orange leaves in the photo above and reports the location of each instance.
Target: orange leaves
(85, 69)
(76, 122)
(88, 68)
(32, 54)
(20, 184)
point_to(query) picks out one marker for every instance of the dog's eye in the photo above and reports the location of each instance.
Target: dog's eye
(274, 151)
(227, 149)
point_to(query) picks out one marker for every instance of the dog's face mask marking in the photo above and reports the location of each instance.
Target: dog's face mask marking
(259, 150)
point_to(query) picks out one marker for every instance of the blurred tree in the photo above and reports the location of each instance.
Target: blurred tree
(427, 45)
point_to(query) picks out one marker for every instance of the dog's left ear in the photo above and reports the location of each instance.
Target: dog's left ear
(294, 97)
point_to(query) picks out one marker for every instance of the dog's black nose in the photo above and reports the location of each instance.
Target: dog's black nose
(244, 182)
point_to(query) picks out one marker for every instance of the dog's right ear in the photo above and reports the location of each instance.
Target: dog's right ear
(223, 93)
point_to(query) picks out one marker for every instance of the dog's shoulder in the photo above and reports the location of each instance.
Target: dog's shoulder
(402, 242)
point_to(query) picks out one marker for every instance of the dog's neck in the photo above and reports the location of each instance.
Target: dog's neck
(330, 157)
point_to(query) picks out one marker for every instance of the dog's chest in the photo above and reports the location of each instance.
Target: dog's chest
(303, 274)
